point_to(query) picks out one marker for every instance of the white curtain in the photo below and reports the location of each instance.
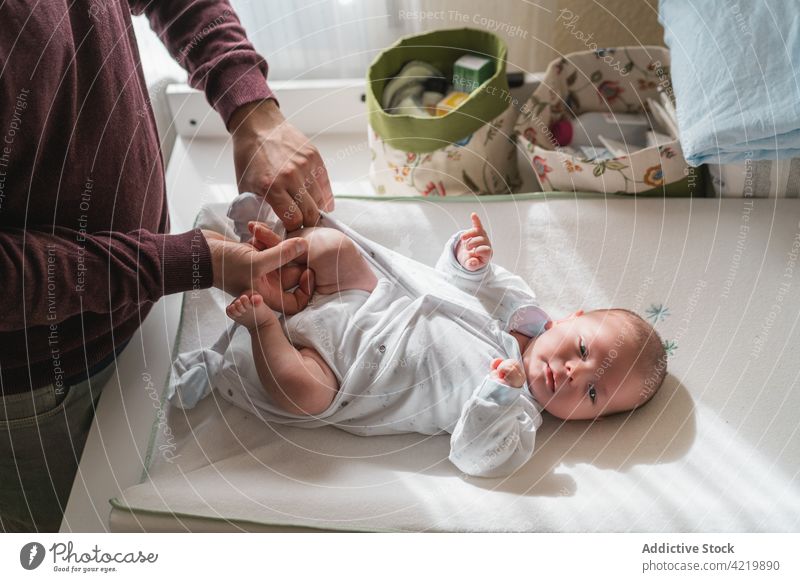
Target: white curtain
(334, 39)
(320, 39)
(527, 26)
(323, 39)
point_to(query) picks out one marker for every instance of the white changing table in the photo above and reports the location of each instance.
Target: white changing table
(201, 171)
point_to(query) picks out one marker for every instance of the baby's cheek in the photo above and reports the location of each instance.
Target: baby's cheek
(529, 373)
(528, 381)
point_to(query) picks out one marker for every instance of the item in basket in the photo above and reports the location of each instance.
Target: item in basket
(429, 101)
(470, 71)
(404, 93)
(593, 153)
(664, 117)
(421, 106)
(561, 131)
(655, 138)
(617, 148)
(451, 102)
(568, 151)
(411, 105)
(628, 128)
(435, 90)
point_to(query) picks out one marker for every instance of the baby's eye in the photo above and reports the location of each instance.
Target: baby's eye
(592, 392)
(582, 347)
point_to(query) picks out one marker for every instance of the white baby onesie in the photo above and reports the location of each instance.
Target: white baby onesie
(413, 356)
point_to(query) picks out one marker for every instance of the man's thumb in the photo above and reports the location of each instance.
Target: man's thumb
(263, 234)
(282, 253)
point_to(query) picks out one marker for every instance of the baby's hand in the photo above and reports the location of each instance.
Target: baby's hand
(474, 249)
(509, 372)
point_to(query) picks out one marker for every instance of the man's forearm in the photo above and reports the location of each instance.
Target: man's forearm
(230, 270)
(64, 272)
(207, 39)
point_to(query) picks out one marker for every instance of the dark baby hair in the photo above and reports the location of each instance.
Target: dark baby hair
(651, 357)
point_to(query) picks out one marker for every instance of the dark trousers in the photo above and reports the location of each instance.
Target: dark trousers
(42, 435)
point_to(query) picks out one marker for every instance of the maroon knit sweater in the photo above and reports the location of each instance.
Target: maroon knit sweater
(83, 211)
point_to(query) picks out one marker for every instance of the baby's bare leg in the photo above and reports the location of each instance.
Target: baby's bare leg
(298, 381)
(337, 263)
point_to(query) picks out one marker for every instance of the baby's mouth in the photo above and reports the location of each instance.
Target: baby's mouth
(549, 378)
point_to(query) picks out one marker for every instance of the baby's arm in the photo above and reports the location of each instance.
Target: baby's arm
(500, 291)
(496, 431)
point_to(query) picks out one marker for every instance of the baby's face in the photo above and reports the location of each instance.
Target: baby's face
(581, 367)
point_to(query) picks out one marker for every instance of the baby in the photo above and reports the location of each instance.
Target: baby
(369, 357)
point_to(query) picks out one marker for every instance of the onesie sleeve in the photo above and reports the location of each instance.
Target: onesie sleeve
(501, 292)
(496, 431)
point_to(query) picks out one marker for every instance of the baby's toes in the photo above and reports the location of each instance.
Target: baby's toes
(235, 309)
(245, 301)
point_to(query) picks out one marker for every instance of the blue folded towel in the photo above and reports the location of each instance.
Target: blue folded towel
(734, 71)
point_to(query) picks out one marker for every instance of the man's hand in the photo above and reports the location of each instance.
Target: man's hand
(241, 267)
(508, 372)
(474, 250)
(273, 159)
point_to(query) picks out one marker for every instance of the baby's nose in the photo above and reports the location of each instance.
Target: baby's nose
(575, 371)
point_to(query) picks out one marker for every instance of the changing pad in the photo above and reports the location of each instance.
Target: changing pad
(715, 450)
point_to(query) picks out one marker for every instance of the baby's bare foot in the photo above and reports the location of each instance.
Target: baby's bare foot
(250, 311)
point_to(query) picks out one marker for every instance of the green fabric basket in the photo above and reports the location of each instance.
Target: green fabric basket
(441, 48)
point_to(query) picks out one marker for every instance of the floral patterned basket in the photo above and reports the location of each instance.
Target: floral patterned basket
(471, 150)
(611, 81)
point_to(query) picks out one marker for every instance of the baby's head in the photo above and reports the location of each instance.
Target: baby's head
(594, 364)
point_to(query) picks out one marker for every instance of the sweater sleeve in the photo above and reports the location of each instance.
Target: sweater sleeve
(207, 39)
(496, 431)
(51, 275)
(500, 291)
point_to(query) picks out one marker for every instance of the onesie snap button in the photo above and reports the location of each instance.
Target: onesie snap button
(382, 348)
(230, 392)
